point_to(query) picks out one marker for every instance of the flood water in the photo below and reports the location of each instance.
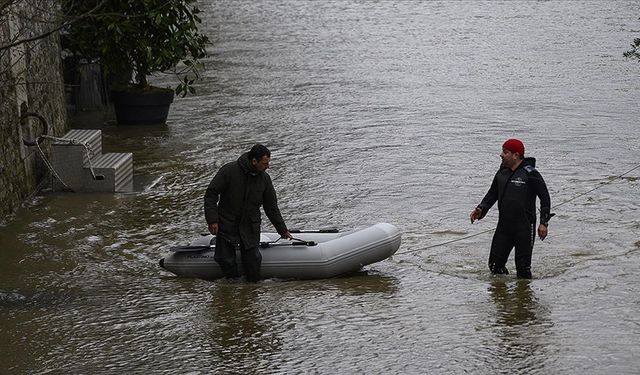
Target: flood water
(375, 111)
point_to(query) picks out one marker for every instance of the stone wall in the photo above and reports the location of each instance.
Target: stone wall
(30, 81)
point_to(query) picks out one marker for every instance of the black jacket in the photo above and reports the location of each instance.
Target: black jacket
(516, 193)
(233, 200)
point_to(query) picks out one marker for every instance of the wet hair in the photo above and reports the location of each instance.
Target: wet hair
(258, 151)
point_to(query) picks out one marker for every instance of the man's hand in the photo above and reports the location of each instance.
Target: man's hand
(287, 235)
(213, 228)
(542, 231)
(475, 214)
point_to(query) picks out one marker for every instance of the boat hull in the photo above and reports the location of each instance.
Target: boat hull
(333, 255)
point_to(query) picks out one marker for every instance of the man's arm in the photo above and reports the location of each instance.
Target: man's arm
(540, 188)
(270, 206)
(211, 197)
(487, 202)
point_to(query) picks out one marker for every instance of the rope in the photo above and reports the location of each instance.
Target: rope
(599, 186)
(556, 206)
(448, 242)
(48, 164)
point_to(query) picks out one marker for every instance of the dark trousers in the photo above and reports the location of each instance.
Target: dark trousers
(505, 238)
(225, 256)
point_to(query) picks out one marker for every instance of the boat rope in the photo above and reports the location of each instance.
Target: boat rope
(599, 186)
(48, 164)
(556, 206)
(44, 135)
(447, 242)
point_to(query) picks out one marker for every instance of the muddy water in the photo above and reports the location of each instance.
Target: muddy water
(374, 111)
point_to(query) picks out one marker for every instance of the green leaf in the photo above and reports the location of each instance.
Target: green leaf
(148, 36)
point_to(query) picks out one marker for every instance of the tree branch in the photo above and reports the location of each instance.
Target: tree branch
(56, 29)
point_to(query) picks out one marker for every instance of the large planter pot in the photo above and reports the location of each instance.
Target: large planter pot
(142, 107)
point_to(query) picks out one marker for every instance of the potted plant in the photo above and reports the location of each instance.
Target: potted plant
(137, 38)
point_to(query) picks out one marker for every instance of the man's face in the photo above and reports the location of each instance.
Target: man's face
(509, 159)
(262, 164)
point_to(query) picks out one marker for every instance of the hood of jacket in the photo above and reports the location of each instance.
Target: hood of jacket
(528, 162)
(246, 165)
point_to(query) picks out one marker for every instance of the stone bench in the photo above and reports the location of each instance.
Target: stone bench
(78, 161)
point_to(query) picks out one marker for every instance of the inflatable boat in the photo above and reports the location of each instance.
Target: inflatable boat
(312, 254)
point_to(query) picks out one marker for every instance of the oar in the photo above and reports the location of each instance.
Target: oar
(295, 242)
(327, 230)
(264, 245)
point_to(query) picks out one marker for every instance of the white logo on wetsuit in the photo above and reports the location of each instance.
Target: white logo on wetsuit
(518, 181)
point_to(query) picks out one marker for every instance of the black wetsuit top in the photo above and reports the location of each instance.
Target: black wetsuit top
(515, 192)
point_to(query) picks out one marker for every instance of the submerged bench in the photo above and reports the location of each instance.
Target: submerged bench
(81, 166)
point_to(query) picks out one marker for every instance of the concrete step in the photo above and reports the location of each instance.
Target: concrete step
(117, 169)
(91, 171)
(90, 137)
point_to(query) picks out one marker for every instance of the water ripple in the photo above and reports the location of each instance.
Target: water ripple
(387, 111)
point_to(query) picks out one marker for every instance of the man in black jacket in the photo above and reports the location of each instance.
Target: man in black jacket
(515, 187)
(232, 210)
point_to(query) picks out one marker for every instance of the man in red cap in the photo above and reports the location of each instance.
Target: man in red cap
(515, 187)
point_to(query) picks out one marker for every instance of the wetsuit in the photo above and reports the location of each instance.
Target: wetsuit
(233, 200)
(515, 192)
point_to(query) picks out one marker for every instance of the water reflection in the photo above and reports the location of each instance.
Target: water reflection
(516, 304)
(361, 283)
(239, 338)
(367, 111)
(248, 324)
(520, 328)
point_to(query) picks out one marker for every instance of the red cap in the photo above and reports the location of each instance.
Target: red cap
(514, 145)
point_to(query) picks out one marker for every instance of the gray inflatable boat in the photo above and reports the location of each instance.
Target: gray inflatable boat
(313, 254)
